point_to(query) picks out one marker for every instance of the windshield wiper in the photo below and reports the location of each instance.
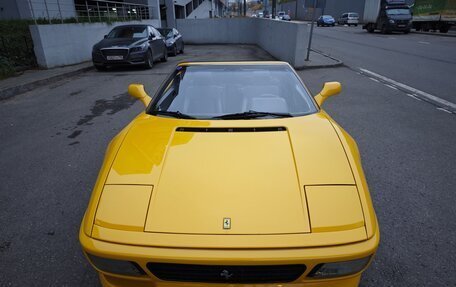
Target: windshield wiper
(252, 114)
(175, 114)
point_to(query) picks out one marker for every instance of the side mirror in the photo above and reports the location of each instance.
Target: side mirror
(105, 36)
(151, 37)
(137, 91)
(329, 89)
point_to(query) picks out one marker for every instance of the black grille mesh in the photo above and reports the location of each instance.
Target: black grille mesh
(114, 52)
(227, 273)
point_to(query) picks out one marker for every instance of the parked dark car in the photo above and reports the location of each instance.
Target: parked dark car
(349, 19)
(173, 40)
(130, 45)
(326, 20)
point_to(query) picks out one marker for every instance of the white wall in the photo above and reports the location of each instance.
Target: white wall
(285, 41)
(218, 30)
(67, 44)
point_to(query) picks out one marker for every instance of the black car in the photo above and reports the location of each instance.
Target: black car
(326, 20)
(173, 40)
(130, 45)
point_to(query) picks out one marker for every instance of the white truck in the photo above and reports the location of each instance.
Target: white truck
(387, 16)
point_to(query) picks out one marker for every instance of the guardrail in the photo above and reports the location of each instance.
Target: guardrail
(69, 11)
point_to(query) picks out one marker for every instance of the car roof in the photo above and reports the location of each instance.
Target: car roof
(133, 25)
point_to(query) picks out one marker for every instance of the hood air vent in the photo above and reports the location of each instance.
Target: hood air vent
(230, 130)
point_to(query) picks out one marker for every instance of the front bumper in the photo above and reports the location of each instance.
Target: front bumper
(136, 58)
(308, 256)
(398, 26)
(170, 48)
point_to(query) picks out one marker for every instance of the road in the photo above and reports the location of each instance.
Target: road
(425, 62)
(54, 138)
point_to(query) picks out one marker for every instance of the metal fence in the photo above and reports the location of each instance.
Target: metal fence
(73, 11)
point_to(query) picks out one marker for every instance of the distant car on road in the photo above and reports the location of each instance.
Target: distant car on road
(326, 20)
(173, 40)
(260, 15)
(349, 19)
(130, 45)
(284, 16)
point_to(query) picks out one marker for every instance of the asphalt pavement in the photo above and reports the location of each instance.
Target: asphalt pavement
(53, 140)
(425, 62)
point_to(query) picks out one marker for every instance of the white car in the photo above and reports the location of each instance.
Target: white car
(349, 19)
(283, 16)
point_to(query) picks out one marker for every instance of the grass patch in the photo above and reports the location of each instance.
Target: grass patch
(16, 45)
(6, 68)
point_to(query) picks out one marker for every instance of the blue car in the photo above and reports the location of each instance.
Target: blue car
(326, 20)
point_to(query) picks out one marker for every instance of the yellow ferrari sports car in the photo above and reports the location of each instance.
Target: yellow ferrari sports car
(232, 176)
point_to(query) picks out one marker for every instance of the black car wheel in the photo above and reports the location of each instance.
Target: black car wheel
(370, 28)
(175, 50)
(165, 55)
(182, 48)
(385, 30)
(149, 61)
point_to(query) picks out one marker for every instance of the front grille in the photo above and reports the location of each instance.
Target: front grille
(226, 273)
(115, 52)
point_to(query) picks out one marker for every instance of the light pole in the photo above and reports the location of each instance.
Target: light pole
(311, 29)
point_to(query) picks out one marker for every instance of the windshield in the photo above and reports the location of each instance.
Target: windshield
(209, 91)
(328, 17)
(353, 15)
(128, 32)
(168, 33)
(281, 13)
(398, 12)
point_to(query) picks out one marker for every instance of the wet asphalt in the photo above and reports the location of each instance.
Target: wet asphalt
(53, 141)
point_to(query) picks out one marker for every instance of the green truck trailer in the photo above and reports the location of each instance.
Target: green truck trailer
(434, 15)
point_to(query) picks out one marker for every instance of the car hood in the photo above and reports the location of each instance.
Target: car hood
(264, 176)
(119, 42)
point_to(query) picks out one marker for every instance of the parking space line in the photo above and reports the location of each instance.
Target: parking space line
(374, 79)
(444, 110)
(414, 97)
(392, 87)
(411, 90)
(422, 42)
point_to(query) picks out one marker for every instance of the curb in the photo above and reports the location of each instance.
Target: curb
(337, 62)
(20, 89)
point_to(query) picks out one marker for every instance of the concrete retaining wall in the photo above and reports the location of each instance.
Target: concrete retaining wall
(218, 30)
(66, 44)
(285, 41)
